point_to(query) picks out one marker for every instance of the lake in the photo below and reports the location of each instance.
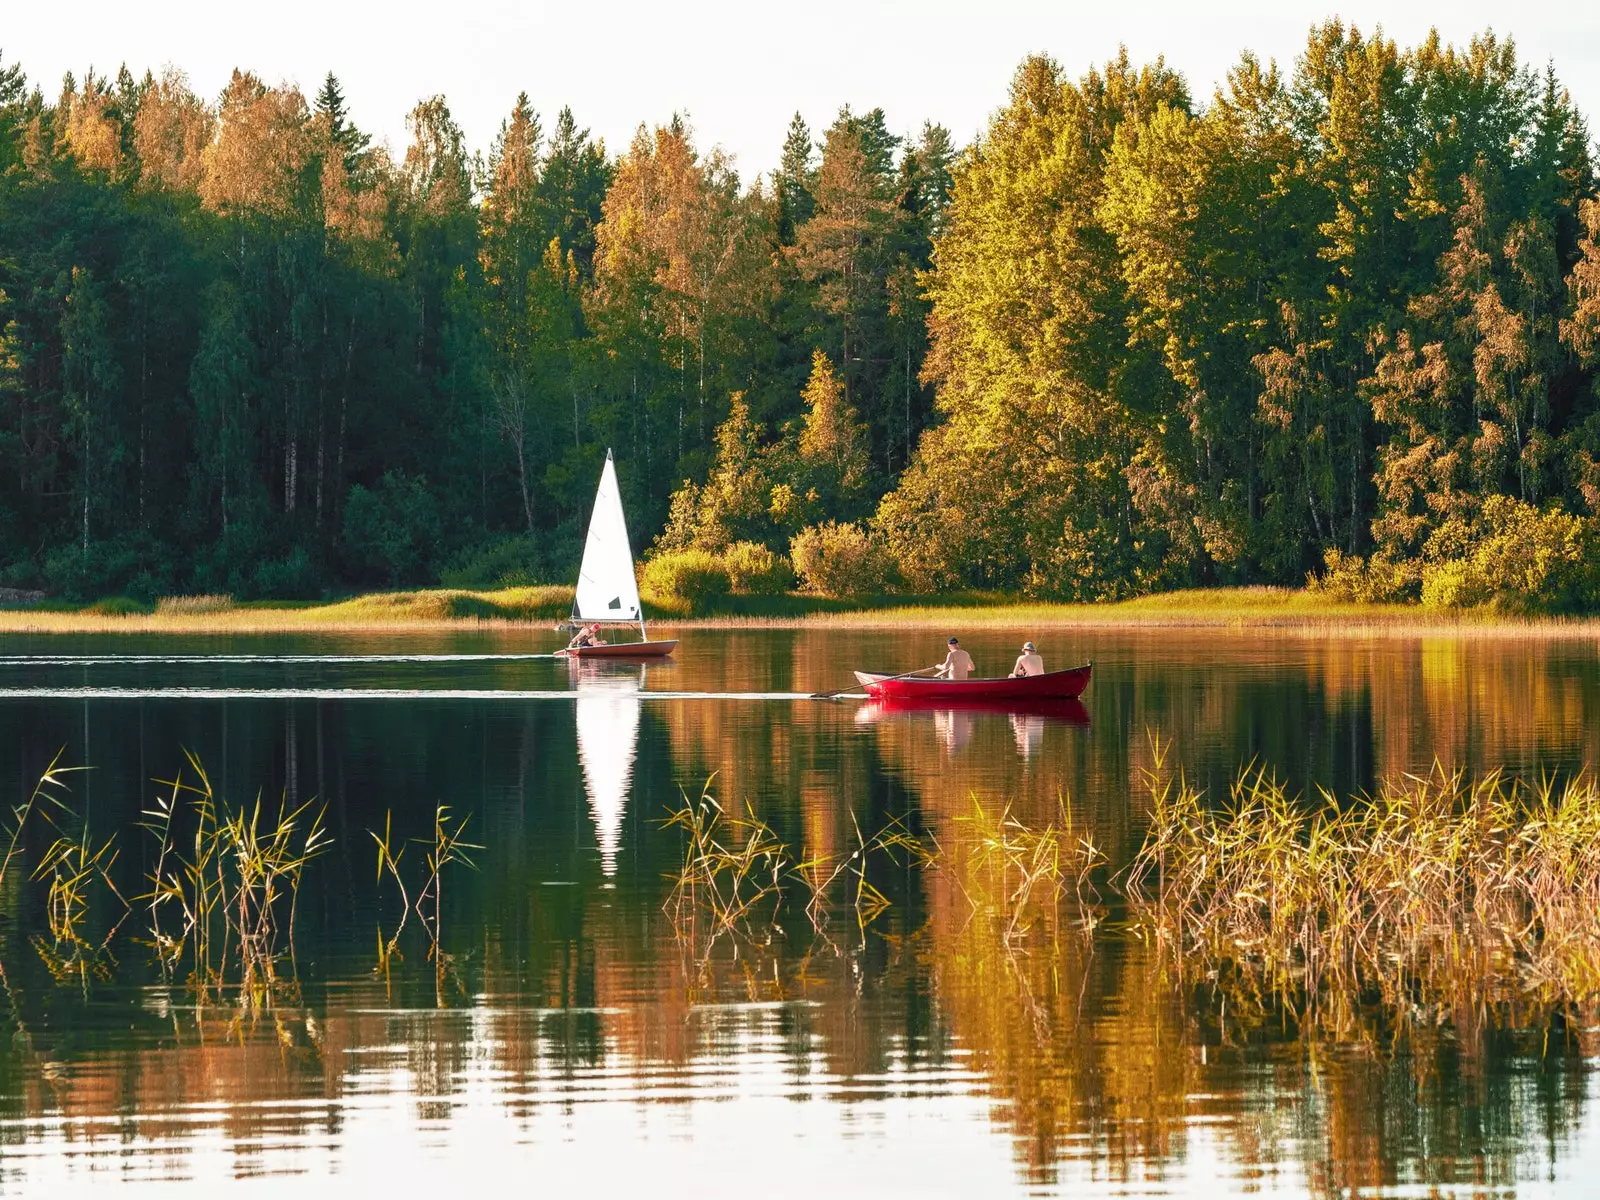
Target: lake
(555, 1028)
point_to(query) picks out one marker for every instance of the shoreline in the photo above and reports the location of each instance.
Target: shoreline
(1255, 609)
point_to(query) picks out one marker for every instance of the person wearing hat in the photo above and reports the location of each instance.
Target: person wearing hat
(957, 663)
(1028, 662)
(586, 637)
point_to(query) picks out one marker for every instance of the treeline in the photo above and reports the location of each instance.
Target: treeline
(243, 349)
(1344, 319)
(1334, 311)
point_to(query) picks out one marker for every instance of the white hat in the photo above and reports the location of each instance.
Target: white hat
(1028, 646)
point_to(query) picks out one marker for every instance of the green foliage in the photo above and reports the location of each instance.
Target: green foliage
(685, 579)
(1177, 347)
(522, 561)
(1329, 312)
(118, 606)
(391, 533)
(755, 570)
(292, 577)
(1374, 580)
(129, 564)
(840, 559)
(1515, 558)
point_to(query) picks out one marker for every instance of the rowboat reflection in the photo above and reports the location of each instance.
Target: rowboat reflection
(1051, 712)
(953, 722)
(607, 707)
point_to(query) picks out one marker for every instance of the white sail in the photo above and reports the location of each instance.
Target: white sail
(608, 736)
(607, 590)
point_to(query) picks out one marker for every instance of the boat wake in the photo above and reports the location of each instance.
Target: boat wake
(292, 693)
(102, 660)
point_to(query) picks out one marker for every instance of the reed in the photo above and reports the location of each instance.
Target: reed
(739, 875)
(732, 865)
(446, 846)
(389, 855)
(45, 801)
(75, 867)
(1018, 873)
(232, 878)
(1292, 610)
(423, 609)
(1436, 891)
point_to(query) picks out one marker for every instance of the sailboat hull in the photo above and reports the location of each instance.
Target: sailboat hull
(625, 650)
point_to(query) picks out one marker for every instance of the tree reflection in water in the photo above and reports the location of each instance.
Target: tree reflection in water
(1101, 1063)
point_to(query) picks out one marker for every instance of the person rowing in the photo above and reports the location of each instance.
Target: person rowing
(585, 637)
(957, 663)
(1028, 663)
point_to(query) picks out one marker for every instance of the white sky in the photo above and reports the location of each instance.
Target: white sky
(740, 68)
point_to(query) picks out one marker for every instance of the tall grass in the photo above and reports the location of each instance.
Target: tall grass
(1018, 873)
(1437, 891)
(432, 607)
(1291, 609)
(188, 605)
(445, 847)
(225, 885)
(737, 875)
(45, 801)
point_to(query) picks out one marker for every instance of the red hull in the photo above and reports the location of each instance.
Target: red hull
(1053, 685)
(624, 650)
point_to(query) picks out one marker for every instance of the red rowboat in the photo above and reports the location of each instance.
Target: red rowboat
(623, 650)
(1053, 685)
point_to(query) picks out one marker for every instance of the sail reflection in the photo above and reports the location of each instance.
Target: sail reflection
(607, 707)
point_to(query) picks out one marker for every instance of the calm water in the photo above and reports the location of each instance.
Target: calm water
(566, 1038)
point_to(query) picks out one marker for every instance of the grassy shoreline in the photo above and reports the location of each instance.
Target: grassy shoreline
(1255, 608)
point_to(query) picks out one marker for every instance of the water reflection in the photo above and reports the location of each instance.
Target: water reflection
(927, 1053)
(607, 719)
(1028, 729)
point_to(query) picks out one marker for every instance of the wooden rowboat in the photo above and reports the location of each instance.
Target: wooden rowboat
(623, 650)
(1053, 685)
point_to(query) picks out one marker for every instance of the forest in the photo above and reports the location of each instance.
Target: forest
(1337, 321)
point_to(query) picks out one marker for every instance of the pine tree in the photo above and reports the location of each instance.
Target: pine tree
(795, 179)
(352, 143)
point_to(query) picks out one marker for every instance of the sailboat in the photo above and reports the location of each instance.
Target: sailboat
(607, 590)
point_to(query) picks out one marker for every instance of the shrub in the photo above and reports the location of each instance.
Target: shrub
(755, 570)
(391, 532)
(1452, 583)
(839, 560)
(1514, 557)
(77, 573)
(524, 560)
(118, 606)
(686, 578)
(1375, 580)
(292, 577)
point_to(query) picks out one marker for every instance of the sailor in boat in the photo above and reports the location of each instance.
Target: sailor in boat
(589, 635)
(957, 663)
(1028, 663)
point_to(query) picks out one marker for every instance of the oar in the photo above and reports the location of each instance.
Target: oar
(885, 679)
